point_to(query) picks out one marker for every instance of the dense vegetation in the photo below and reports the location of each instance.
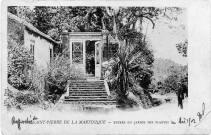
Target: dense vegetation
(131, 72)
(167, 75)
(36, 85)
(131, 68)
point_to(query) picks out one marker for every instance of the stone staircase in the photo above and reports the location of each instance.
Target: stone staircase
(88, 92)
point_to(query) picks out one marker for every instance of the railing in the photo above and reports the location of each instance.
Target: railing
(66, 93)
(107, 88)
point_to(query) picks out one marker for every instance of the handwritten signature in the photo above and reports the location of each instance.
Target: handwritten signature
(28, 120)
(201, 115)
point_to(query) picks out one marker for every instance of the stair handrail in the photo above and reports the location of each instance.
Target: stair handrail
(67, 88)
(106, 87)
(66, 93)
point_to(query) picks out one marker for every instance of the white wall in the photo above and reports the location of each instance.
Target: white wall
(41, 48)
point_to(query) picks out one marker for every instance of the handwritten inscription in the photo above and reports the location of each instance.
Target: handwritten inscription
(201, 115)
(188, 121)
(28, 120)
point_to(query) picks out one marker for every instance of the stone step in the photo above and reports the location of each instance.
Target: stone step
(93, 97)
(97, 80)
(88, 94)
(97, 83)
(85, 90)
(88, 82)
(82, 86)
(87, 87)
(88, 99)
(90, 85)
(91, 102)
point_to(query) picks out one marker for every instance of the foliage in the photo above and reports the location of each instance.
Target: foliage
(61, 68)
(42, 18)
(171, 83)
(59, 72)
(162, 69)
(120, 21)
(37, 78)
(23, 12)
(182, 48)
(24, 74)
(132, 66)
(126, 75)
(17, 99)
(20, 60)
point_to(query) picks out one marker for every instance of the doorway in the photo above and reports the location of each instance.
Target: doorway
(90, 58)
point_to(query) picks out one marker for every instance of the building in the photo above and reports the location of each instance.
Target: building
(40, 44)
(88, 50)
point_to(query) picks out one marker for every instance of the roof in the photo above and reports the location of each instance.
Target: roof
(30, 27)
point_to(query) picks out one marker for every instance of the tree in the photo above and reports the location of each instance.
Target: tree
(177, 75)
(182, 48)
(23, 12)
(42, 19)
(132, 69)
(119, 21)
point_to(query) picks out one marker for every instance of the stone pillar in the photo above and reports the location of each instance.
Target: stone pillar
(65, 43)
(103, 44)
(104, 35)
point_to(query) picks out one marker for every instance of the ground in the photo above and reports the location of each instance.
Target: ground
(162, 105)
(168, 105)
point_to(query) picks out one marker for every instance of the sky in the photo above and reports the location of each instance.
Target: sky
(163, 39)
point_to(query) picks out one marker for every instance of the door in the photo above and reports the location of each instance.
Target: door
(97, 60)
(77, 57)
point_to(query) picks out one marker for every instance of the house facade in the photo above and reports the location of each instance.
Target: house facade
(40, 45)
(88, 51)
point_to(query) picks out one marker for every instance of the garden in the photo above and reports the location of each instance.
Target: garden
(133, 77)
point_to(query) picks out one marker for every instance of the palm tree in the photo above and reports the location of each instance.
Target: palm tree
(127, 69)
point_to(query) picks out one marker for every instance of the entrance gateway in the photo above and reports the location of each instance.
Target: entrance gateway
(85, 51)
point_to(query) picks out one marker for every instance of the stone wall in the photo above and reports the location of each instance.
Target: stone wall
(65, 45)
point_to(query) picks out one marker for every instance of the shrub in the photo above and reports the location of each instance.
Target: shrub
(17, 99)
(59, 72)
(20, 61)
(170, 83)
(37, 78)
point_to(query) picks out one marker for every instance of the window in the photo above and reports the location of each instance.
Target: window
(51, 54)
(32, 43)
(77, 55)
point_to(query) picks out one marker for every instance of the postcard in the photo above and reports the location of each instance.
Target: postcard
(105, 67)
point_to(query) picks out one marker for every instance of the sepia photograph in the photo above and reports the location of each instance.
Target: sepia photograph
(105, 64)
